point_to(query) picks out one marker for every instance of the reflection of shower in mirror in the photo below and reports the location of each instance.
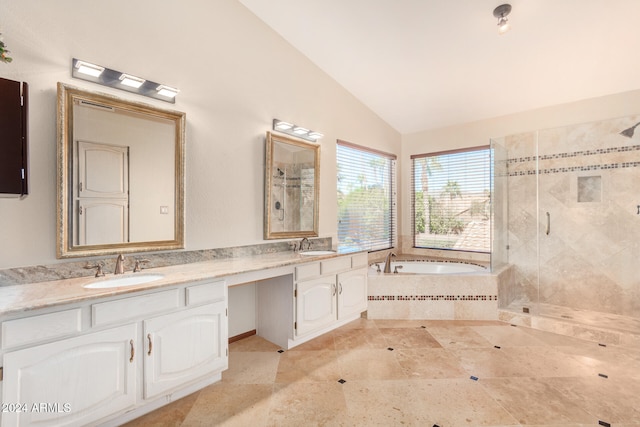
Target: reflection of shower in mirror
(281, 209)
(280, 175)
(288, 211)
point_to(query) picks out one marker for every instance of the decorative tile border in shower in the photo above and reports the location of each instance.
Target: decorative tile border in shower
(620, 165)
(433, 298)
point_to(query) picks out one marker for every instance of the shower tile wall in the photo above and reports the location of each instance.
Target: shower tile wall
(588, 180)
(293, 188)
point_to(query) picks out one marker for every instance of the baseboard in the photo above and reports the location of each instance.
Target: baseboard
(241, 336)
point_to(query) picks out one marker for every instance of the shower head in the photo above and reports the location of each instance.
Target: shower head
(629, 132)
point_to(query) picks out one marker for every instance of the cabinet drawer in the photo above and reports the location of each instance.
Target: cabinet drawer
(39, 328)
(359, 260)
(334, 265)
(307, 270)
(130, 308)
(206, 292)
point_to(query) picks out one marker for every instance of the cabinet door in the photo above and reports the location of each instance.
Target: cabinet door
(184, 346)
(315, 304)
(72, 382)
(352, 292)
(13, 143)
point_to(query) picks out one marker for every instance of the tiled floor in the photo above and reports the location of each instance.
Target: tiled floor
(419, 373)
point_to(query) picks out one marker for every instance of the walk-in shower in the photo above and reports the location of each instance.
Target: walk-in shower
(574, 229)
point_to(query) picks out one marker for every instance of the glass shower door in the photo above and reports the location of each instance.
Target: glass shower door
(588, 227)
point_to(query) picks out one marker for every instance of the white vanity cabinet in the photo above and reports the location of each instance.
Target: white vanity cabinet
(113, 359)
(352, 293)
(316, 304)
(183, 346)
(338, 294)
(73, 381)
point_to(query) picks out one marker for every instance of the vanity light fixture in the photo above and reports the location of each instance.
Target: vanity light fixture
(501, 13)
(297, 131)
(118, 80)
(131, 81)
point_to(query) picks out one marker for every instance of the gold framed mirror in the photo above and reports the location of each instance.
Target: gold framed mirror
(292, 188)
(120, 176)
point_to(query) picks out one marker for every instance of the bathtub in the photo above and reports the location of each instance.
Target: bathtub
(434, 291)
(431, 267)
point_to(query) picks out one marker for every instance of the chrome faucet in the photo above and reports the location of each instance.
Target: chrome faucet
(119, 265)
(387, 262)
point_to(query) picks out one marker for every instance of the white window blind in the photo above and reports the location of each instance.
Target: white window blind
(451, 194)
(366, 198)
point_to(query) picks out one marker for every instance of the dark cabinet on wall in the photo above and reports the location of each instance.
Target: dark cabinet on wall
(13, 138)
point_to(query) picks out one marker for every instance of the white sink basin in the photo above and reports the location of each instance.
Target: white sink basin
(312, 253)
(130, 280)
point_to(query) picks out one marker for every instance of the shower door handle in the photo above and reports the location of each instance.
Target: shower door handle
(548, 223)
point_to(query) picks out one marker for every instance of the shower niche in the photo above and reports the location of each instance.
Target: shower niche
(573, 232)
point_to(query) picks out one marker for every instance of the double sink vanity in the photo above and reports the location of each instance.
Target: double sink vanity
(108, 349)
(104, 350)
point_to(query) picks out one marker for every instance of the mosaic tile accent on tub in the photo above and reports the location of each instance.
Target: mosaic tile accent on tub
(433, 298)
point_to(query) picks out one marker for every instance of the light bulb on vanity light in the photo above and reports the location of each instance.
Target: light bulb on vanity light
(167, 91)
(88, 68)
(280, 125)
(131, 81)
(298, 130)
(315, 135)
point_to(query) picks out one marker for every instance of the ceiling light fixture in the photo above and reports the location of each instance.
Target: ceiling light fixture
(297, 131)
(118, 80)
(501, 13)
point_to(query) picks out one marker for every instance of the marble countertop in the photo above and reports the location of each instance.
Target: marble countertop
(33, 296)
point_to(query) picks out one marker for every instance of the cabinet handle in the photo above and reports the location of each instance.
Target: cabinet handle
(150, 344)
(133, 351)
(333, 287)
(340, 292)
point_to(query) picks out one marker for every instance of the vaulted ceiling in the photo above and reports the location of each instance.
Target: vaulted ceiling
(424, 64)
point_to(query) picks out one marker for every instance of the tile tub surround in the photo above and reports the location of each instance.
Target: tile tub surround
(469, 296)
(418, 373)
(587, 178)
(76, 268)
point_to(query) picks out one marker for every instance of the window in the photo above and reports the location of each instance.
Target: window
(366, 198)
(450, 195)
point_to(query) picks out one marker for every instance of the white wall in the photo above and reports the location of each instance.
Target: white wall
(480, 132)
(235, 75)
